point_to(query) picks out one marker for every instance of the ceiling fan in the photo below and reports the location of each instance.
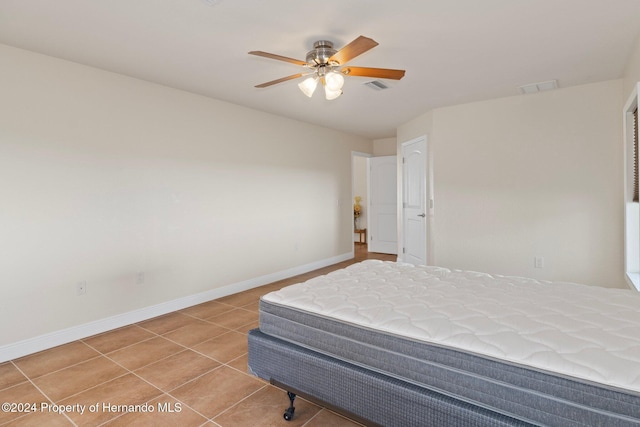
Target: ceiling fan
(328, 67)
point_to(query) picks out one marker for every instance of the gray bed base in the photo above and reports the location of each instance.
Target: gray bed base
(367, 396)
(395, 381)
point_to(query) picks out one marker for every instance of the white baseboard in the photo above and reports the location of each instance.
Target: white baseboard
(53, 339)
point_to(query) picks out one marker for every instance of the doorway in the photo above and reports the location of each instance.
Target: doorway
(360, 188)
(374, 182)
(383, 204)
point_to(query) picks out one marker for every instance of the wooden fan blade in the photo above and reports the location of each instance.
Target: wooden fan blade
(383, 73)
(284, 79)
(278, 57)
(353, 49)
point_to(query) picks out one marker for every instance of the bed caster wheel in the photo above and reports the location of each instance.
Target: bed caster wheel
(288, 414)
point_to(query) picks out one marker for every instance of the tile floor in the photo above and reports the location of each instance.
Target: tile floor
(186, 368)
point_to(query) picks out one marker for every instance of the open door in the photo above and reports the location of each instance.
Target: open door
(383, 211)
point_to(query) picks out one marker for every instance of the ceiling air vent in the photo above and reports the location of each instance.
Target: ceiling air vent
(376, 85)
(539, 87)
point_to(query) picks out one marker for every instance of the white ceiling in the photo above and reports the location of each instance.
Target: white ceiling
(454, 51)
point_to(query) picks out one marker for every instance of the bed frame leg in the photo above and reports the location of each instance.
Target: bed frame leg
(288, 414)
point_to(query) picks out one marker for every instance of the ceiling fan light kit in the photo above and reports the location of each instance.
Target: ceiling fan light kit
(332, 82)
(331, 94)
(326, 63)
(308, 86)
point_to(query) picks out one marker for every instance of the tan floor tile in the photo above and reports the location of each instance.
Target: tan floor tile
(77, 378)
(195, 333)
(10, 375)
(200, 380)
(40, 419)
(225, 347)
(207, 309)
(109, 398)
(266, 408)
(145, 353)
(21, 393)
(242, 298)
(55, 358)
(235, 319)
(254, 306)
(119, 338)
(246, 328)
(241, 363)
(176, 370)
(163, 324)
(168, 413)
(328, 418)
(216, 391)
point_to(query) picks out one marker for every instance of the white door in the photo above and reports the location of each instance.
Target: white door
(414, 195)
(383, 205)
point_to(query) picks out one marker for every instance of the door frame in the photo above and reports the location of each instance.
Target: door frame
(355, 154)
(429, 201)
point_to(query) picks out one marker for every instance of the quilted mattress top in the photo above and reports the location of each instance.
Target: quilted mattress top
(584, 332)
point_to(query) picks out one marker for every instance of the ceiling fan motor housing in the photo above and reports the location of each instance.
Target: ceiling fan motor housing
(322, 51)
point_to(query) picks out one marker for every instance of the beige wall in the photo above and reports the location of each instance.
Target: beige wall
(632, 71)
(527, 176)
(384, 147)
(103, 176)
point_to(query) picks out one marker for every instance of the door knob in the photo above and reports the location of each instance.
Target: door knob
(422, 215)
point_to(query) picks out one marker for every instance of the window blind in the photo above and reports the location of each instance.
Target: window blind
(635, 155)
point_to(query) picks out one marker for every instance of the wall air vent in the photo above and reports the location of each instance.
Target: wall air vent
(539, 87)
(376, 85)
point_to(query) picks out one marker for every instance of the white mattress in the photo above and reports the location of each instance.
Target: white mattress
(584, 332)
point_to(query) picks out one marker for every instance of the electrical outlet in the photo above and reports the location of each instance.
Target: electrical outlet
(538, 262)
(81, 288)
(140, 278)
